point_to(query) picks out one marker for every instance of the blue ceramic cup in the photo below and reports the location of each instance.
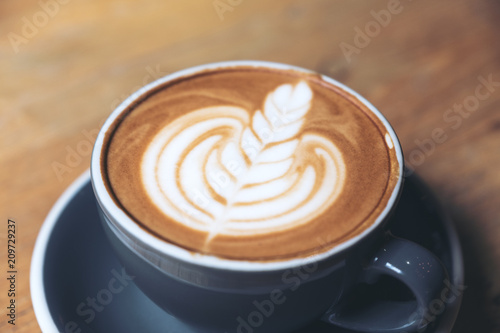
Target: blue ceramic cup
(212, 294)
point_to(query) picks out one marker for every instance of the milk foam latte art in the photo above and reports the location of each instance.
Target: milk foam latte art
(222, 170)
(250, 163)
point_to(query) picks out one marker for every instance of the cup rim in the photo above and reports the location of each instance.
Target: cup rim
(162, 247)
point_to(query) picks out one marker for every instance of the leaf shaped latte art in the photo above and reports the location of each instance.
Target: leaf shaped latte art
(223, 170)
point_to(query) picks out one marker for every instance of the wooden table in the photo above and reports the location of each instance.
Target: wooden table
(65, 64)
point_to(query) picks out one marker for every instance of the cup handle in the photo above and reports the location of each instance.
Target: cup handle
(419, 269)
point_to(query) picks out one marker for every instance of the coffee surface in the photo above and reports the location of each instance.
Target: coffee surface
(250, 163)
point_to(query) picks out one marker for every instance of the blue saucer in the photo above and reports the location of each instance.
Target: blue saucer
(79, 286)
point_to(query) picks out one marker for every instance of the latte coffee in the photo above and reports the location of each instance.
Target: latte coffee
(250, 163)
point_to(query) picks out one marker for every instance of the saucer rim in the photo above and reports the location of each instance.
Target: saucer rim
(37, 290)
(37, 283)
(458, 270)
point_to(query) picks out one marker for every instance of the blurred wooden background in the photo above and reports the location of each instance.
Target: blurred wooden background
(65, 64)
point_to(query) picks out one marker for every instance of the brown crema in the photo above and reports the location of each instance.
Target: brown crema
(371, 165)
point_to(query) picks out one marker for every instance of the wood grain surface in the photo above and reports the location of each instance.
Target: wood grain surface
(65, 64)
